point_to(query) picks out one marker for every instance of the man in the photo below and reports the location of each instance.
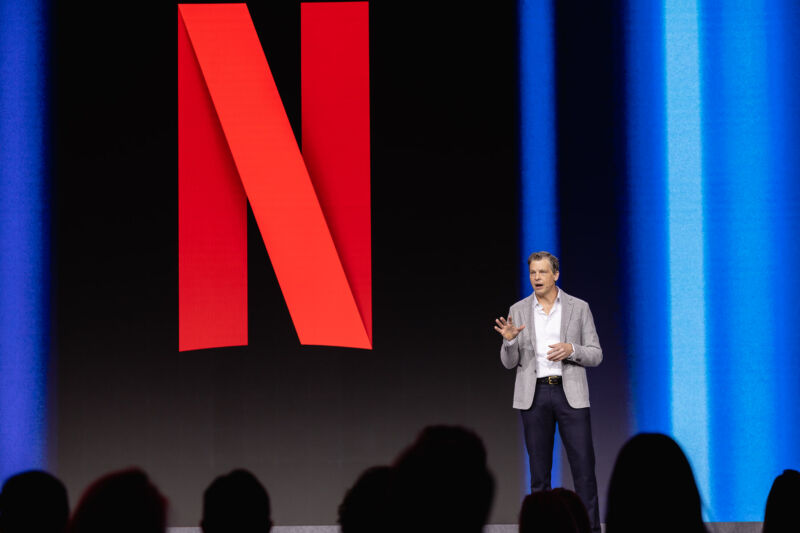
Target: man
(549, 337)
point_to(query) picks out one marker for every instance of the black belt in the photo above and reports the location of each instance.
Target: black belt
(549, 380)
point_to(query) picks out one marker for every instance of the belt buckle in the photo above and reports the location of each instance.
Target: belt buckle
(552, 380)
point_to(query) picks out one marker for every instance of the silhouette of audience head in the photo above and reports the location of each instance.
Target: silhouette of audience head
(782, 513)
(236, 502)
(441, 483)
(365, 507)
(124, 502)
(652, 488)
(34, 502)
(553, 511)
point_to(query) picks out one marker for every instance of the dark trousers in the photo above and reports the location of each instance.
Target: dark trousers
(550, 407)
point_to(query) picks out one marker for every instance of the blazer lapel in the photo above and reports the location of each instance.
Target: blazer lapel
(527, 319)
(566, 313)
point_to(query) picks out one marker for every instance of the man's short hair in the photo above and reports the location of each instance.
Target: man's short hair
(538, 256)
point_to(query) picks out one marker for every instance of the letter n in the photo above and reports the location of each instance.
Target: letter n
(235, 145)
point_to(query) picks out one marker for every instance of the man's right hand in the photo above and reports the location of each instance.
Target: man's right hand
(506, 328)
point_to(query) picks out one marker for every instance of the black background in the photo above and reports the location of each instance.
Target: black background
(308, 420)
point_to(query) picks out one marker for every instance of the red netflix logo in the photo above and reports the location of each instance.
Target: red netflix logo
(235, 145)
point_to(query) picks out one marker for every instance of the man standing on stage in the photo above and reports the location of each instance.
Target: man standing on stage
(549, 337)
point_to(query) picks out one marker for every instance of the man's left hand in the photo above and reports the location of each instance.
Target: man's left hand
(559, 351)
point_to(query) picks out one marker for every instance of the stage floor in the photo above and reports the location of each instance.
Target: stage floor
(713, 527)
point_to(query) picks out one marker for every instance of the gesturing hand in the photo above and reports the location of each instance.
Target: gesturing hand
(507, 329)
(559, 351)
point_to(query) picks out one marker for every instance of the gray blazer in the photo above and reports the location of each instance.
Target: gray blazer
(577, 327)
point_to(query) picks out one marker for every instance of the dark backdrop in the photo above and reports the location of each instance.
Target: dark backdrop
(308, 420)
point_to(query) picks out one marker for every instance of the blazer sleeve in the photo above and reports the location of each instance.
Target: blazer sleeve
(509, 352)
(588, 352)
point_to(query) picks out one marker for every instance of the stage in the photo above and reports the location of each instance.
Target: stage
(651, 146)
(712, 527)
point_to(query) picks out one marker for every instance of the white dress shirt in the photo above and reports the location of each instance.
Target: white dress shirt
(547, 330)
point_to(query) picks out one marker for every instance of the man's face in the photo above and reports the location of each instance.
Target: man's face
(543, 278)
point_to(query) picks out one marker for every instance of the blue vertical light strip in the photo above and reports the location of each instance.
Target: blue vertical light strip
(537, 132)
(783, 49)
(648, 289)
(538, 194)
(717, 218)
(24, 235)
(751, 200)
(685, 230)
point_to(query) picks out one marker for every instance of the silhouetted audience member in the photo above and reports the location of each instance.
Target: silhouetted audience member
(34, 502)
(236, 502)
(365, 507)
(579, 512)
(123, 502)
(782, 513)
(441, 483)
(553, 511)
(652, 489)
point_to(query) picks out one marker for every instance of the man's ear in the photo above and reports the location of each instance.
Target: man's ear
(556, 275)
